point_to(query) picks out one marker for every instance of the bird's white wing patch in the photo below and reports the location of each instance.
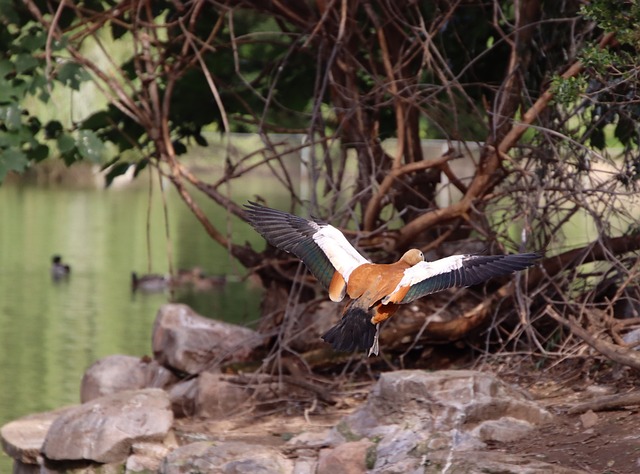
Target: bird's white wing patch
(342, 255)
(423, 270)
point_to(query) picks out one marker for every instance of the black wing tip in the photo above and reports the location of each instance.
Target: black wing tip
(354, 331)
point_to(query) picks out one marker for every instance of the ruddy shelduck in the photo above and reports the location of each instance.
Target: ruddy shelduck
(376, 290)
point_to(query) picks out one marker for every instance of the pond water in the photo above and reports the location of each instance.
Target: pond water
(51, 331)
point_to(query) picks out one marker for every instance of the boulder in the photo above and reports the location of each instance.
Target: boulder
(209, 395)
(183, 397)
(354, 457)
(191, 343)
(104, 430)
(217, 397)
(22, 439)
(116, 373)
(481, 462)
(412, 413)
(147, 457)
(226, 457)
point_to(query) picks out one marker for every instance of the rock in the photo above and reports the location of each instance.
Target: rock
(305, 465)
(23, 468)
(104, 430)
(209, 395)
(481, 462)
(147, 457)
(315, 440)
(503, 430)
(216, 397)
(115, 373)
(226, 457)
(354, 457)
(413, 413)
(183, 397)
(191, 343)
(589, 419)
(22, 439)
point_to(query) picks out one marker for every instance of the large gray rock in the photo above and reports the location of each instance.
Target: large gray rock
(147, 457)
(22, 439)
(209, 395)
(354, 457)
(186, 341)
(482, 462)
(217, 397)
(104, 429)
(115, 373)
(226, 457)
(410, 412)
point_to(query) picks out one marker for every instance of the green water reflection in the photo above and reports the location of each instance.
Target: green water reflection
(52, 331)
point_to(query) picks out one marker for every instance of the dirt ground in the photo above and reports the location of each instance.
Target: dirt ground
(598, 442)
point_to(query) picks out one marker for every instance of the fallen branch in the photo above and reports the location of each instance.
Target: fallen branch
(614, 352)
(610, 402)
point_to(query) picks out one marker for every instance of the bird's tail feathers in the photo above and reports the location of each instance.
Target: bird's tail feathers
(355, 331)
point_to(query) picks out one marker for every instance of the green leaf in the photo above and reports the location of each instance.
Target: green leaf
(115, 171)
(70, 157)
(6, 67)
(9, 11)
(66, 143)
(200, 140)
(90, 146)
(625, 130)
(33, 41)
(142, 164)
(117, 31)
(53, 129)
(179, 148)
(72, 75)
(34, 124)
(6, 91)
(96, 121)
(39, 153)
(25, 63)
(597, 139)
(12, 160)
(11, 115)
(12, 139)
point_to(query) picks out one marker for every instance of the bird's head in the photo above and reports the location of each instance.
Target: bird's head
(413, 256)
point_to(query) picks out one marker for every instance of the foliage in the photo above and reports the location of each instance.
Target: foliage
(24, 140)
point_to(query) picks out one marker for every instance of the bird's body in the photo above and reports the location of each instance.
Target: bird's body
(375, 290)
(150, 283)
(58, 269)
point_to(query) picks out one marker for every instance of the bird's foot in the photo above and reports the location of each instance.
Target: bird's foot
(375, 348)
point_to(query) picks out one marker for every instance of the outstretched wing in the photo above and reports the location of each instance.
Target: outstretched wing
(458, 270)
(322, 247)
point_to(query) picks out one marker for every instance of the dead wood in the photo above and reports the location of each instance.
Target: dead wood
(614, 352)
(610, 402)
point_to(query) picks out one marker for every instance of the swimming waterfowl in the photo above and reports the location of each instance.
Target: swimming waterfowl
(149, 283)
(375, 290)
(59, 269)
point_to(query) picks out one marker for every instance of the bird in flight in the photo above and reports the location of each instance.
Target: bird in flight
(375, 290)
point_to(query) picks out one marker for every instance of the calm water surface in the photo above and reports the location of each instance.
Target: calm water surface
(52, 331)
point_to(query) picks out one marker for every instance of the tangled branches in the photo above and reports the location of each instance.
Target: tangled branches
(554, 132)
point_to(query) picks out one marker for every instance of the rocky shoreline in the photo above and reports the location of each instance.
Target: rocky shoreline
(137, 416)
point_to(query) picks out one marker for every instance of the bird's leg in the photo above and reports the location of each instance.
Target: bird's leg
(382, 312)
(374, 349)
